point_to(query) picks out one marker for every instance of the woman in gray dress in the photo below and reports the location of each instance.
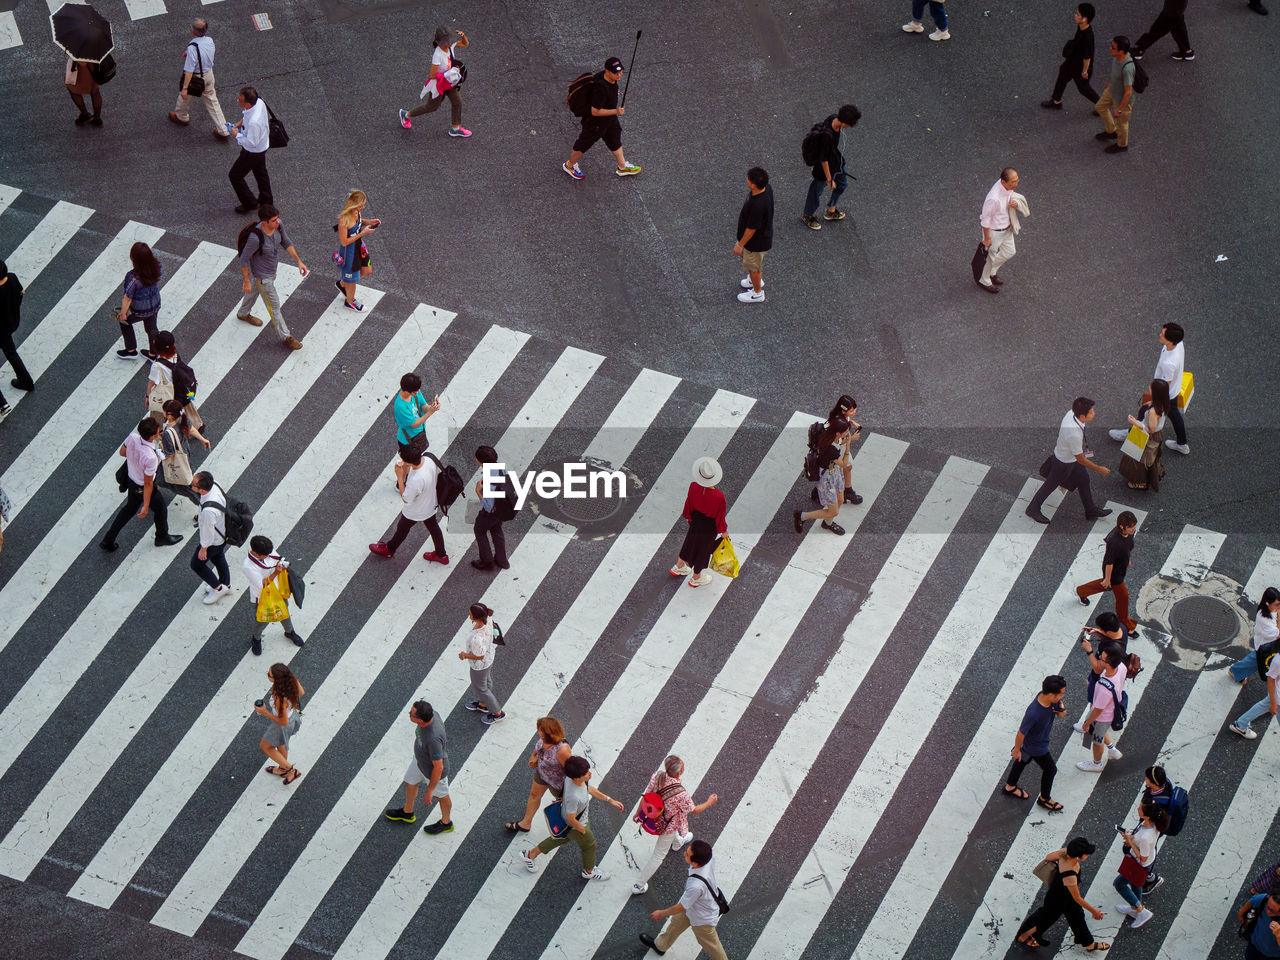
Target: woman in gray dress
(280, 706)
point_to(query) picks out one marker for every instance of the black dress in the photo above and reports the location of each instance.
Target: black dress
(1058, 903)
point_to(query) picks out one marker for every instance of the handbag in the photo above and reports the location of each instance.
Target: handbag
(1132, 870)
(195, 86)
(160, 394)
(276, 135)
(1188, 390)
(1045, 870)
(979, 261)
(556, 823)
(723, 560)
(1135, 443)
(177, 469)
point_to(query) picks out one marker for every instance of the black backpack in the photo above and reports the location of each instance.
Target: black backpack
(449, 484)
(578, 99)
(104, 72)
(812, 468)
(1140, 78)
(505, 506)
(815, 143)
(239, 519)
(243, 237)
(184, 378)
(1266, 653)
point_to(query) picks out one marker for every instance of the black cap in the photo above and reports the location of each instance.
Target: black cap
(613, 65)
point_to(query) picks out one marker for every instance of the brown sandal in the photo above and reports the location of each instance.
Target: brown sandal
(292, 774)
(1098, 945)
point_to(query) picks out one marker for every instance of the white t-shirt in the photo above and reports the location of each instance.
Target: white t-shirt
(1169, 367)
(1265, 630)
(1070, 439)
(420, 492)
(480, 644)
(256, 570)
(1144, 844)
(159, 373)
(443, 59)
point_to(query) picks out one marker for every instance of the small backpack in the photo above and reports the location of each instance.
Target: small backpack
(1140, 78)
(238, 518)
(578, 98)
(1132, 665)
(1177, 805)
(1121, 713)
(449, 484)
(505, 505)
(243, 237)
(498, 637)
(811, 147)
(652, 805)
(184, 378)
(812, 466)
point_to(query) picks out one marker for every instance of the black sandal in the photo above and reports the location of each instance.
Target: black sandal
(1017, 793)
(514, 827)
(1031, 942)
(292, 774)
(1053, 806)
(833, 527)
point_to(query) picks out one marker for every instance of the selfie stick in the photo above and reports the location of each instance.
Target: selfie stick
(633, 63)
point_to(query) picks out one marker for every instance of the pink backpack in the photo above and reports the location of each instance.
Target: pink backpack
(652, 806)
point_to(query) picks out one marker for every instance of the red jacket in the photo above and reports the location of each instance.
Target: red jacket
(709, 501)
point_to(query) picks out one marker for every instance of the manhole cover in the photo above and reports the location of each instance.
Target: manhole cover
(1204, 622)
(589, 510)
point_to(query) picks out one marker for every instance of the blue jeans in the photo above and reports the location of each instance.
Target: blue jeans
(815, 190)
(1125, 889)
(217, 559)
(1245, 667)
(1254, 712)
(937, 8)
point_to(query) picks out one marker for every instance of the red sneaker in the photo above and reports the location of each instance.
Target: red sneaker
(381, 549)
(432, 556)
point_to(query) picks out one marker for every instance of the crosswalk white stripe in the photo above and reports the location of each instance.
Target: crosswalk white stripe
(1265, 574)
(8, 194)
(881, 770)
(646, 674)
(45, 566)
(9, 35)
(796, 748)
(174, 784)
(138, 9)
(1228, 863)
(55, 5)
(46, 240)
(971, 784)
(82, 304)
(232, 844)
(142, 568)
(571, 641)
(41, 457)
(719, 711)
(1009, 896)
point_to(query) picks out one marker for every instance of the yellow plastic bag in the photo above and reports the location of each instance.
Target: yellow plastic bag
(1188, 388)
(283, 580)
(724, 561)
(271, 605)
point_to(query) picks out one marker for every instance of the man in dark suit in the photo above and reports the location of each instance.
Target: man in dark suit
(1077, 61)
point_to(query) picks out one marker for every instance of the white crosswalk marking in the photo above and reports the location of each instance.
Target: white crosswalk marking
(46, 241)
(1008, 898)
(9, 35)
(46, 565)
(138, 9)
(145, 564)
(7, 196)
(38, 461)
(739, 680)
(973, 781)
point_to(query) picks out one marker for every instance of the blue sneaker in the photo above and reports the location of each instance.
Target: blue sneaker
(405, 121)
(573, 171)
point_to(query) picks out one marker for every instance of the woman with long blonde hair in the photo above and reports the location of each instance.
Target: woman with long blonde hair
(352, 254)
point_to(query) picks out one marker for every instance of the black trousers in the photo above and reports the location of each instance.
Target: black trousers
(488, 524)
(132, 504)
(21, 375)
(1069, 72)
(257, 164)
(1166, 22)
(404, 525)
(148, 324)
(1065, 475)
(1057, 904)
(1179, 425)
(1048, 770)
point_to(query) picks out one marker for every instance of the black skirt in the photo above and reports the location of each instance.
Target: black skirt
(699, 541)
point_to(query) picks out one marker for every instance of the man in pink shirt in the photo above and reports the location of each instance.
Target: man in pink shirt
(1107, 695)
(997, 231)
(141, 461)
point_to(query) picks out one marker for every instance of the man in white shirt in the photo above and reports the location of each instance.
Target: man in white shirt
(254, 138)
(198, 62)
(697, 908)
(141, 461)
(997, 231)
(211, 551)
(420, 506)
(1169, 368)
(1069, 463)
(263, 565)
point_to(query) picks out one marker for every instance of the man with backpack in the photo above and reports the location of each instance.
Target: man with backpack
(1260, 925)
(494, 511)
(420, 505)
(820, 150)
(594, 98)
(259, 245)
(1115, 113)
(699, 907)
(253, 133)
(261, 566)
(211, 551)
(1109, 707)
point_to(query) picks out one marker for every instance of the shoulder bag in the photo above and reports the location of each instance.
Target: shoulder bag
(177, 469)
(195, 86)
(276, 135)
(1045, 870)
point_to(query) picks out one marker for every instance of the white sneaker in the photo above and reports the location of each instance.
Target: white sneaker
(638, 888)
(528, 861)
(746, 283)
(1114, 754)
(1118, 435)
(1246, 732)
(700, 580)
(913, 27)
(213, 596)
(939, 34)
(1182, 448)
(1127, 910)
(681, 570)
(1091, 766)
(750, 296)
(596, 874)
(1078, 727)
(685, 839)
(1141, 917)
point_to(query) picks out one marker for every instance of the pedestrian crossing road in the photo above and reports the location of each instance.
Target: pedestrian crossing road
(850, 699)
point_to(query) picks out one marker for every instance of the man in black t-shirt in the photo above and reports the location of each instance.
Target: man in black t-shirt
(602, 124)
(829, 169)
(755, 234)
(1077, 61)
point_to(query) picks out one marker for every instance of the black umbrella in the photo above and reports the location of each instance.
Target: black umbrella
(82, 32)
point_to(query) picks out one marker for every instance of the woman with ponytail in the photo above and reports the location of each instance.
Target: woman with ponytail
(480, 644)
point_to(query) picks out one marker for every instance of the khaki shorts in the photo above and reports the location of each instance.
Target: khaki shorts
(414, 776)
(752, 260)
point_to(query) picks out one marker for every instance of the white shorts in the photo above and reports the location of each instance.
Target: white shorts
(415, 776)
